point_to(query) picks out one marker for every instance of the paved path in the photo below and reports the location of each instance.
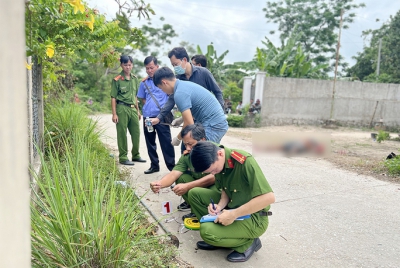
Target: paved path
(323, 216)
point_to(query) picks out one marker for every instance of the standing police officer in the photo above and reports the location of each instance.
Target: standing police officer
(125, 111)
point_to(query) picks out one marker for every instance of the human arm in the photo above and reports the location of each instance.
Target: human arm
(165, 181)
(187, 120)
(183, 188)
(255, 204)
(137, 109)
(214, 88)
(221, 204)
(114, 110)
(164, 110)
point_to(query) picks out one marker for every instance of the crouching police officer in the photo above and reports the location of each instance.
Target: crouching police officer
(244, 188)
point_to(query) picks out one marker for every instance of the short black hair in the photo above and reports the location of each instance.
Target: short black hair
(203, 155)
(150, 59)
(200, 59)
(125, 59)
(163, 73)
(179, 53)
(198, 132)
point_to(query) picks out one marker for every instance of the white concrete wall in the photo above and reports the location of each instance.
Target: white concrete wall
(260, 85)
(247, 81)
(287, 101)
(15, 248)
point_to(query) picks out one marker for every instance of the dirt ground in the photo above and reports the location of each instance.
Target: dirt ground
(351, 149)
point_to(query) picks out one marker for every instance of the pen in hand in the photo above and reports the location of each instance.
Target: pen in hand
(213, 205)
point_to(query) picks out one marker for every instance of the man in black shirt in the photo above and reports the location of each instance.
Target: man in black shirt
(186, 71)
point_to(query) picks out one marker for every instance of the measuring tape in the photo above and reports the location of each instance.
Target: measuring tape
(192, 223)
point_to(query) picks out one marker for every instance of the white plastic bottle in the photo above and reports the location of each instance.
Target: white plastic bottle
(149, 125)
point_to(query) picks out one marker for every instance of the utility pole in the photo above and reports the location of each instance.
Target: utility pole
(336, 64)
(379, 56)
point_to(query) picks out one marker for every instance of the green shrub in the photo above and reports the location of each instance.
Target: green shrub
(393, 165)
(79, 216)
(382, 136)
(235, 120)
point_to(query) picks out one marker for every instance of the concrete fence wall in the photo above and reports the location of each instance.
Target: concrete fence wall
(306, 101)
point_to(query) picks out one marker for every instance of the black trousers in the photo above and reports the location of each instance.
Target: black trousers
(164, 137)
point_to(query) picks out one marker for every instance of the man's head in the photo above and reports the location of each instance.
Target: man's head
(199, 60)
(126, 64)
(258, 101)
(151, 65)
(179, 59)
(207, 157)
(191, 134)
(165, 79)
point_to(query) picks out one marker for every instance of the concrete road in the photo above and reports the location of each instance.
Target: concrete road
(323, 216)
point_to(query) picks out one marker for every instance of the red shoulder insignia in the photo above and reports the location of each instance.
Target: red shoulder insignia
(118, 77)
(230, 163)
(238, 157)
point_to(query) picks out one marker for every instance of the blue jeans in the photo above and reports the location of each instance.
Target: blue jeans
(216, 132)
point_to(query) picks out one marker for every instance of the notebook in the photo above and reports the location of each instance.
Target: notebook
(209, 218)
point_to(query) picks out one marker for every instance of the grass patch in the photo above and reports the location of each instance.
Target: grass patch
(393, 166)
(79, 216)
(235, 120)
(382, 136)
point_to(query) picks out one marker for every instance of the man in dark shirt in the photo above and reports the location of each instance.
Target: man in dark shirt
(186, 71)
(199, 60)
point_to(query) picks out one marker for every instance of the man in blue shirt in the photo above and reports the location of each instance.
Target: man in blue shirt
(194, 101)
(186, 71)
(154, 99)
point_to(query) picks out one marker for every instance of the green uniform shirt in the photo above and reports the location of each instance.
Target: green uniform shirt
(241, 182)
(185, 166)
(124, 90)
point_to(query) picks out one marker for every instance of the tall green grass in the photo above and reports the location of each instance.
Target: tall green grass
(79, 216)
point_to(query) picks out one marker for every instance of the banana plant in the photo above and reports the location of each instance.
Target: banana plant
(217, 66)
(289, 60)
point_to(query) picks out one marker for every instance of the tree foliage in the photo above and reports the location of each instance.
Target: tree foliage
(216, 65)
(319, 20)
(60, 30)
(366, 65)
(289, 60)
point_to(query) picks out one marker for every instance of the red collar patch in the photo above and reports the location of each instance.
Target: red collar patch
(238, 157)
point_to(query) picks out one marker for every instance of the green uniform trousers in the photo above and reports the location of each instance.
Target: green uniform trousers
(238, 236)
(210, 191)
(127, 119)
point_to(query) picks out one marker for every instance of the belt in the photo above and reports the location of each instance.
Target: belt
(126, 104)
(265, 213)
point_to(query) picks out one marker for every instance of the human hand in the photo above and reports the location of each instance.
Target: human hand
(115, 118)
(175, 141)
(226, 217)
(213, 211)
(177, 122)
(154, 121)
(180, 189)
(139, 116)
(155, 186)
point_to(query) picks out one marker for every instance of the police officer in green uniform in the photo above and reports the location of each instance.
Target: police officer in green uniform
(125, 111)
(184, 175)
(244, 188)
